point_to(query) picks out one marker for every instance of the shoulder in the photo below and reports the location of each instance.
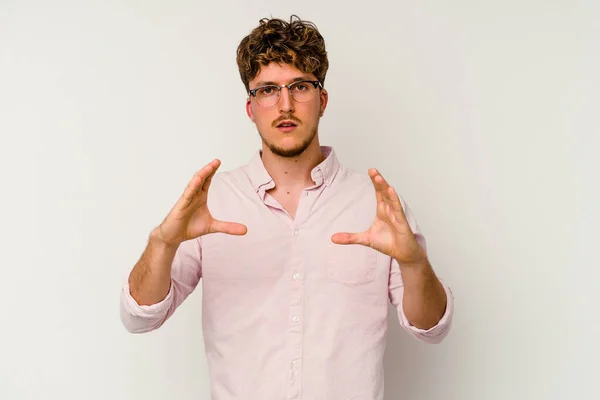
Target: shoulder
(231, 189)
(230, 179)
(348, 179)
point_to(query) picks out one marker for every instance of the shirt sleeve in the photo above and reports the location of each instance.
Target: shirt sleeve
(438, 332)
(186, 272)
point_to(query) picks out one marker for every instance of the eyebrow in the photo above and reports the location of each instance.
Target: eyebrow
(297, 79)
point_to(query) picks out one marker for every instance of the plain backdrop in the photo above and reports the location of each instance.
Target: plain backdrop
(484, 115)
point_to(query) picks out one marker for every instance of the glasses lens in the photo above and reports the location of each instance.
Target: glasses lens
(303, 91)
(267, 96)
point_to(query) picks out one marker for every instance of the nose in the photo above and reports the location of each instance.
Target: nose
(286, 103)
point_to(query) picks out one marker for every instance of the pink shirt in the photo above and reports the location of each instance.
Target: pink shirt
(287, 314)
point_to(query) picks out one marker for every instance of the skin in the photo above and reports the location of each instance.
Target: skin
(424, 299)
(289, 159)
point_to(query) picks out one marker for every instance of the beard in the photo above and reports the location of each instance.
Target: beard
(291, 152)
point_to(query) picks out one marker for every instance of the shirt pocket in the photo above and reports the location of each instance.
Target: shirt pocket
(351, 264)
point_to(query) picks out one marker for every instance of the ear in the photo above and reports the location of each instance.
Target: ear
(249, 110)
(324, 99)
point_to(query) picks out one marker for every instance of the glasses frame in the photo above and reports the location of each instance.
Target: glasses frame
(252, 92)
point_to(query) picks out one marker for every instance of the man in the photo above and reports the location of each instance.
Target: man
(298, 256)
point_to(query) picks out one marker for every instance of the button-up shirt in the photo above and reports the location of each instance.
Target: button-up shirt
(286, 313)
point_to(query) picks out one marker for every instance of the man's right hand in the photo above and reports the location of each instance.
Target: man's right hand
(190, 217)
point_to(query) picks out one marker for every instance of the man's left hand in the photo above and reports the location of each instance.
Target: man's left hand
(390, 232)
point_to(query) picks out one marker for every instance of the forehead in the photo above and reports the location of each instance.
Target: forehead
(279, 74)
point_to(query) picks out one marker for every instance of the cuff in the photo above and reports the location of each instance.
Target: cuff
(441, 329)
(146, 311)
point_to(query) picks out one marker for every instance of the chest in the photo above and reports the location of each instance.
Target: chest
(277, 247)
(288, 200)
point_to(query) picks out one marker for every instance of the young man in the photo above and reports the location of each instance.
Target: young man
(298, 255)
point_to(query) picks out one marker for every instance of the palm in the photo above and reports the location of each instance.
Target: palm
(196, 221)
(190, 217)
(381, 235)
(390, 233)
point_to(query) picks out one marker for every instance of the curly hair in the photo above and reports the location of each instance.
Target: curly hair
(296, 42)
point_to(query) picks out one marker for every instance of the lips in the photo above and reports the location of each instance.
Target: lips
(286, 124)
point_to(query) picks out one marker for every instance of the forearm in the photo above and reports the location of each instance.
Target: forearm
(150, 279)
(424, 300)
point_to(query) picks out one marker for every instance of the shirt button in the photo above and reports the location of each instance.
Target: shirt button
(295, 319)
(296, 277)
(296, 232)
(296, 363)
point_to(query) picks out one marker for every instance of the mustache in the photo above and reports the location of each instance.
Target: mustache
(284, 118)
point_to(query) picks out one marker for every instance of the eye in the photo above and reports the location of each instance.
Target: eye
(267, 91)
(300, 87)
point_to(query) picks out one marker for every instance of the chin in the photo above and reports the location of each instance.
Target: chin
(287, 151)
(290, 145)
(287, 148)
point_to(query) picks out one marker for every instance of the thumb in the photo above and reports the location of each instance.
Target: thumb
(230, 228)
(349, 238)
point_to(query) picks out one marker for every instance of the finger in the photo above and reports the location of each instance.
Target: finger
(215, 164)
(230, 228)
(395, 200)
(385, 186)
(393, 218)
(373, 174)
(396, 209)
(379, 183)
(349, 238)
(197, 180)
(191, 189)
(381, 209)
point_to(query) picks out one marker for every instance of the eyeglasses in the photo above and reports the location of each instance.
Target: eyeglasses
(301, 91)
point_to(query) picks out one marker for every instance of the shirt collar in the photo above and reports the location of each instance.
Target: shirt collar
(322, 173)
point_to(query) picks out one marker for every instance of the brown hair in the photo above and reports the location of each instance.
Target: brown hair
(297, 42)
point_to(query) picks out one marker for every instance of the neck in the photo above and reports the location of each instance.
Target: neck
(293, 172)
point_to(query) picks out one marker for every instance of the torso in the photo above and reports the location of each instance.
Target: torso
(254, 285)
(288, 200)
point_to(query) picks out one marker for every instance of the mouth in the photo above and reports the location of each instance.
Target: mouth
(287, 126)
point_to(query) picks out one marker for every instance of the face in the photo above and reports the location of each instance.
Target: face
(281, 140)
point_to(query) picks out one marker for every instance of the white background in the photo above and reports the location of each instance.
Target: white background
(483, 115)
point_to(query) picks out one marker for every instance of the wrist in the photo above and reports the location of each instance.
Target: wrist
(157, 241)
(416, 260)
(417, 264)
(418, 277)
